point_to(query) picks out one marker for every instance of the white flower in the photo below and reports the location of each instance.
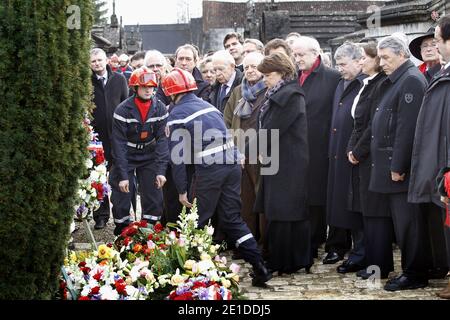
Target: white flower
(151, 245)
(94, 175)
(172, 235)
(205, 256)
(108, 293)
(101, 169)
(226, 283)
(189, 264)
(210, 230)
(85, 291)
(89, 164)
(205, 265)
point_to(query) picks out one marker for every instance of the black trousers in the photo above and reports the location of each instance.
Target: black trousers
(436, 242)
(218, 189)
(379, 236)
(103, 212)
(151, 197)
(318, 223)
(339, 240)
(411, 235)
(172, 206)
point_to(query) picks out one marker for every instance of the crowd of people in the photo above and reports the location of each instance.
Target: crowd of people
(361, 149)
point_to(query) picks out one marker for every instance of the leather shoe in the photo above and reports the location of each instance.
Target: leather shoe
(444, 294)
(100, 224)
(366, 275)
(332, 257)
(349, 266)
(260, 275)
(405, 283)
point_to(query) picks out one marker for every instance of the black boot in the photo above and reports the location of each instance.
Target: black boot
(260, 275)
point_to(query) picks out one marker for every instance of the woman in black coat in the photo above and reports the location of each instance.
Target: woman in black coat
(378, 230)
(282, 195)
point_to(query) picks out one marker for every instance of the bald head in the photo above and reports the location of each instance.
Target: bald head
(305, 50)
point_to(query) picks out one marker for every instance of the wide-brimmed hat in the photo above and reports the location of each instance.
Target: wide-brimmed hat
(414, 45)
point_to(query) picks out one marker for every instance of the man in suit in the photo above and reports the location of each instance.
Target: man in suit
(110, 89)
(227, 78)
(393, 127)
(319, 83)
(345, 220)
(234, 44)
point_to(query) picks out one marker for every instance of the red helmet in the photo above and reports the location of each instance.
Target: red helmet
(178, 81)
(143, 77)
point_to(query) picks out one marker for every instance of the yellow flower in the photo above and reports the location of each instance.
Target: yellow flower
(73, 257)
(177, 279)
(205, 256)
(189, 264)
(226, 283)
(105, 252)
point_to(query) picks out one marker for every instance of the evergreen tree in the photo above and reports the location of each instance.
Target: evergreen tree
(100, 12)
(45, 90)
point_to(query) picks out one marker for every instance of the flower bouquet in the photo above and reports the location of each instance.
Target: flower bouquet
(153, 262)
(94, 187)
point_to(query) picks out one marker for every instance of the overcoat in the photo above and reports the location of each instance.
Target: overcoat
(282, 196)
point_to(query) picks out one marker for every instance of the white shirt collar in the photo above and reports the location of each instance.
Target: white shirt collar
(105, 76)
(230, 82)
(447, 65)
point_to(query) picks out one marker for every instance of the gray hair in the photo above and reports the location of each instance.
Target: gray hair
(160, 56)
(253, 55)
(308, 42)
(187, 47)
(223, 55)
(349, 49)
(259, 45)
(203, 63)
(396, 44)
(97, 51)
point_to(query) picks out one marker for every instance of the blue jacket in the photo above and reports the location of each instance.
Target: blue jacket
(136, 143)
(196, 126)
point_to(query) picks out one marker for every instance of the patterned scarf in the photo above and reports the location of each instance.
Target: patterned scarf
(245, 105)
(270, 93)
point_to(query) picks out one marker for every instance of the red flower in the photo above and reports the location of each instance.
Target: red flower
(86, 270)
(95, 290)
(150, 236)
(184, 296)
(98, 275)
(143, 223)
(127, 241)
(158, 227)
(109, 245)
(162, 246)
(62, 284)
(82, 264)
(129, 231)
(198, 284)
(120, 287)
(83, 298)
(99, 156)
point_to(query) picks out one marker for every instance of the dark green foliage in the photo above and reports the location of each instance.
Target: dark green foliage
(100, 12)
(44, 90)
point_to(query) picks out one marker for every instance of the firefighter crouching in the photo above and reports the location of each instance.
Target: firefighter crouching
(216, 185)
(139, 146)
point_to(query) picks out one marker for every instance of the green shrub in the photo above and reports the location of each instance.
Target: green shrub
(45, 90)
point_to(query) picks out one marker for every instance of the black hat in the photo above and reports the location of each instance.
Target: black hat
(414, 46)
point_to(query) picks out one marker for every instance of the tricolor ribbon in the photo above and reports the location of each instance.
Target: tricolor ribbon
(447, 190)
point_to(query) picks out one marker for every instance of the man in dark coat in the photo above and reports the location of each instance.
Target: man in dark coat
(227, 78)
(110, 89)
(393, 127)
(430, 154)
(319, 84)
(345, 224)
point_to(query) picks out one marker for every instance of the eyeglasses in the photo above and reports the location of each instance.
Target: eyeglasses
(153, 66)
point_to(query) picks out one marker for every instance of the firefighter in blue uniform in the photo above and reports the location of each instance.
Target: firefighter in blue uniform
(139, 146)
(206, 142)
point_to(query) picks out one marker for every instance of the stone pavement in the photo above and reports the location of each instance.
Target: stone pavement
(323, 282)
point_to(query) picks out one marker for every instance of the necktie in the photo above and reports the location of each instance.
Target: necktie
(102, 79)
(222, 94)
